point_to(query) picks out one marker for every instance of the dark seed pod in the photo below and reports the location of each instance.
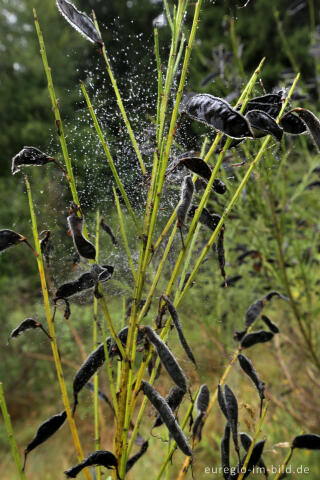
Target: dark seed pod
(168, 418)
(231, 281)
(208, 219)
(46, 246)
(94, 361)
(249, 369)
(80, 21)
(9, 238)
(176, 321)
(271, 109)
(222, 402)
(262, 124)
(29, 156)
(173, 399)
(221, 256)
(198, 426)
(105, 227)
(272, 294)
(312, 123)
(238, 336)
(152, 364)
(45, 431)
(309, 441)
(254, 460)
(219, 114)
(85, 281)
(185, 199)
(261, 336)
(254, 311)
(292, 124)
(27, 324)
(137, 456)
(101, 458)
(167, 358)
(123, 336)
(232, 412)
(203, 398)
(270, 98)
(272, 326)
(246, 441)
(225, 452)
(103, 396)
(198, 166)
(84, 247)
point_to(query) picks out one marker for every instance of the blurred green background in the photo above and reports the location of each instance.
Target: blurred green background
(277, 217)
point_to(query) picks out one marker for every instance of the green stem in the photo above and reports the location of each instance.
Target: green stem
(119, 101)
(10, 433)
(54, 346)
(283, 466)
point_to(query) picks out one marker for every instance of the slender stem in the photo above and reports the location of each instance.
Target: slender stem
(10, 433)
(119, 101)
(283, 466)
(124, 235)
(244, 468)
(54, 346)
(109, 157)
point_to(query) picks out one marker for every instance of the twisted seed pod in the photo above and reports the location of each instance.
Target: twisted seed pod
(198, 426)
(105, 227)
(185, 199)
(83, 246)
(249, 369)
(176, 321)
(102, 458)
(29, 156)
(45, 431)
(263, 124)
(79, 21)
(256, 308)
(137, 456)
(206, 218)
(94, 361)
(225, 452)
(254, 460)
(167, 358)
(46, 246)
(309, 441)
(9, 238)
(85, 281)
(271, 109)
(261, 336)
(27, 324)
(292, 124)
(217, 113)
(271, 325)
(167, 416)
(203, 398)
(312, 123)
(173, 399)
(269, 98)
(246, 441)
(232, 413)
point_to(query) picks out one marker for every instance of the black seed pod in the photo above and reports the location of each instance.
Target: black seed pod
(85, 281)
(222, 402)
(198, 426)
(271, 325)
(221, 255)
(219, 114)
(198, 166)
(168, 418)
(246, 441)
(29, 156)
(94, 361)
(167, 358)
(232, 412)
(309, 441)
(254, 460)
(254, 311)
(239, 335)
(123, 336)
(312, 123)
(208, 219)
(263, 124)
(46, 246)
(272, 109)
(176, 321)
(27, 324)
(225, 452)
(84, 247)
(249, 369)
(45, 431)
(261, 336)
(269, 98)
(203, 398)
(80, 21)
(102, 458)
(173, 399)
(137, 456)
(292, 124)
(105, 227)
(9, 238)
(185, 199)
